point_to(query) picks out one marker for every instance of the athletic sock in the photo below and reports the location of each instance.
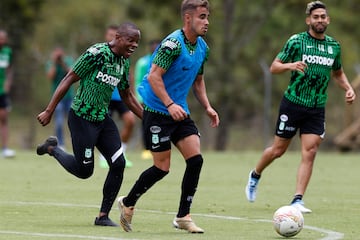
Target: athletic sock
(146, 180)
(255, 175)
(189, 184)
(297, 197)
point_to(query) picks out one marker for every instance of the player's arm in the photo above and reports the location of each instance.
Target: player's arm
(165, 56)
(70, 78)
(130, 100)
(199, 89)
(278, 66)
(341, 79)
(9, 75)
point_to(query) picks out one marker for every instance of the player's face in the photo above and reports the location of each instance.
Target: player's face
(129, 43)
(3, 38)
(200, 21)
(318, 21)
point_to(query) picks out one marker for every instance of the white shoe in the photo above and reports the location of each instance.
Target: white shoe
(251, 188)
(8, 153)
(299, 205)
(186, 223)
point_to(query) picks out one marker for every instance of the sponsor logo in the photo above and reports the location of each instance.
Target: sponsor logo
(170, 44)
(325, 61)
(284, 118)
(185, 68)
(106, 78)
(93, 50)
(87, 162)
(155, 129)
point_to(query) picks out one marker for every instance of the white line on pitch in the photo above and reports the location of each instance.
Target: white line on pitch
(331, 235)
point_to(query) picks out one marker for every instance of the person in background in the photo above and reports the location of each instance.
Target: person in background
(119, 107)
(142, 66)
(56, 70)
(102, 68)
(177, 66)
(312, 57)
(6, 78)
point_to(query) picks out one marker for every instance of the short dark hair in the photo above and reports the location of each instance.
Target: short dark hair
(124, 27)
(314, 5)
(190, 5)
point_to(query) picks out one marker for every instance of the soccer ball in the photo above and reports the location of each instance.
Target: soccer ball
(288, 221)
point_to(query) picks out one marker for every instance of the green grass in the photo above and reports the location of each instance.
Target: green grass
(39, 200)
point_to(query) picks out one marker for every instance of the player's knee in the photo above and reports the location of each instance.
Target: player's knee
(85, 172)
(195, 161)
(119, 164)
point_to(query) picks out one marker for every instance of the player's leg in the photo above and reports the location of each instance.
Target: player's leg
(312, 132)
(187, 140)
(59, 122)
(109, 145)
(161, 156)
(4, 128)
(83, 136)
(286, 128)
(128, 118)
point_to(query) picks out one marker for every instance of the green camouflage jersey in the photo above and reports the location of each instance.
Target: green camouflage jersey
(321, 56)
(5, 62)
(100, 71)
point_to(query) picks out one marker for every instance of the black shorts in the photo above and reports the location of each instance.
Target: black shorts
(293, 117)
(160, 130)
(118, 106)
(4, 101)
(85, 135)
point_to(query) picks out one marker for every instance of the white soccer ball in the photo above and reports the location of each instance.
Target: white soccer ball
(288, 221)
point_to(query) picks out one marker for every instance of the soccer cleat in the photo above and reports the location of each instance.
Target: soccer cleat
(104, 221)
(299, 205)
(44, 148)
(186, 223)
(8, 153)
(251, 188)
(126, 214)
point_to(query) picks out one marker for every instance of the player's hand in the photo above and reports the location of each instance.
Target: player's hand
(44, 118)
(214, 117)
(299, 66)
(177, 112)
(350, 96)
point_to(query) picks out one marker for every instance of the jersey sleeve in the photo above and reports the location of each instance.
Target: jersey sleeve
(290, 49)
(168, 51)
(337, 61)
(86, 62)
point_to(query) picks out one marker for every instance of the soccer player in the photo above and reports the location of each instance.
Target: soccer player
(312, 57)
(117, 105)
(101, 69)
(177, 65)
(6, 77)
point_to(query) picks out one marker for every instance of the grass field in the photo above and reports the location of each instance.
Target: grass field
(39, 200)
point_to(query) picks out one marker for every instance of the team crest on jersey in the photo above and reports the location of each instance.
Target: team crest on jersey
(330, 50)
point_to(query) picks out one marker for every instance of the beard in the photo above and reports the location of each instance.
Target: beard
(319, 28)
